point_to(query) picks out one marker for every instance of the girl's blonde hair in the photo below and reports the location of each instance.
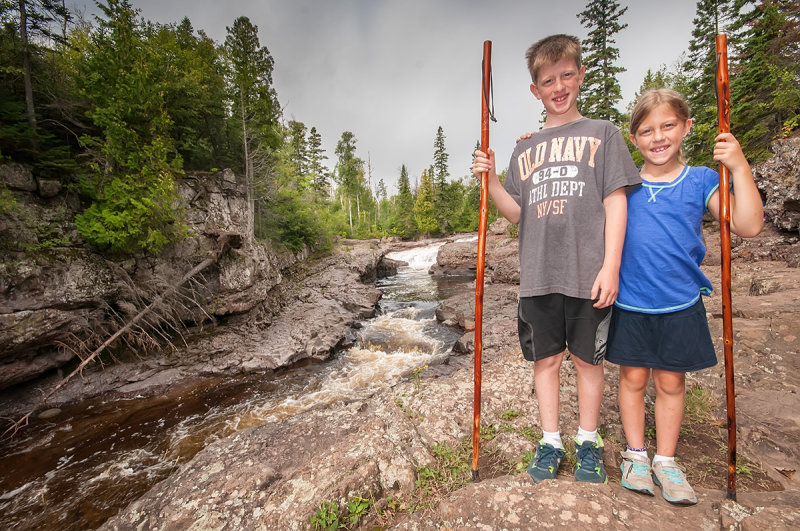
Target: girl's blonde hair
(652, 99)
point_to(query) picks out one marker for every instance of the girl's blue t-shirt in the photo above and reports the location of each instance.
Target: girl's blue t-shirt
(660, 270)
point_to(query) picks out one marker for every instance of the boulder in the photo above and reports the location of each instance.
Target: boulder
(17, 177)
(778, 179)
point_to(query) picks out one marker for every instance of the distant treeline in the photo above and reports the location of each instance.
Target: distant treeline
(119, 108)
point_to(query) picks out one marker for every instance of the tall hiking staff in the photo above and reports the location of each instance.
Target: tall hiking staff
(724, 120)
(486, 114)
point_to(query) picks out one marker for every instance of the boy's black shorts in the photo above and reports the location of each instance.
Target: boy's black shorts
(549, 324)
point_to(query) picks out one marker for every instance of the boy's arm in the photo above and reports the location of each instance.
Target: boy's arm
(502, 199)
(606, 284)
(747, 211)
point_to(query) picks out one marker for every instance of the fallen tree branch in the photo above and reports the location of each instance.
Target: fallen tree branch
(223, 244)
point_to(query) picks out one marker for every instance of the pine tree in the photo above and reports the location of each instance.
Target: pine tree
(440, 174)
(298, 154)
(424, 213)
(764, 90)
(403, 223)
(255, 105)
(134, 160)
(316, 167)
(601, 90)
(711, 17)
(195, 93)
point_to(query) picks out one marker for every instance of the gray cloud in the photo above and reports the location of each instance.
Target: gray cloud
(392, 71)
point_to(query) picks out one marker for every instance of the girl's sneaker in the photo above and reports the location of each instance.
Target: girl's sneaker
(636, 473)
(672, 480)
(544, 464)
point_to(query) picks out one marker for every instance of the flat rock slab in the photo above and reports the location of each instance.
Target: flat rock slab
(515, 503)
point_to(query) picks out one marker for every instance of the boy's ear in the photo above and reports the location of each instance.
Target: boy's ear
(633, 140)
(535, 91)
(688, 127)
(581, 74)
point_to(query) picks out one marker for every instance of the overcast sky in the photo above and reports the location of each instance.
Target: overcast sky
(392, 71)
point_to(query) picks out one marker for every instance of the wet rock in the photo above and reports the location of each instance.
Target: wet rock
(388, 267)
(49, 413)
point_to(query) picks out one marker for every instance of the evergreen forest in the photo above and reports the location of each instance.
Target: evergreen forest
(119, 109)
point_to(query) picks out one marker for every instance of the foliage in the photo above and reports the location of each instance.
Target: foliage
(424, 212)
(764, 90)
(711, 17)
(31, 128)
(134, 162)
(403, 221)
(119, 108)
(329, 517)
(326, 517)
(601, 90)
(7, 200)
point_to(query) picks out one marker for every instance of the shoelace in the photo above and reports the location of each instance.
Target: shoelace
(639, 469)
(588, 455)
(674, 474)
(547, 454)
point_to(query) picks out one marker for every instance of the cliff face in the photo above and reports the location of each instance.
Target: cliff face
(55, 291)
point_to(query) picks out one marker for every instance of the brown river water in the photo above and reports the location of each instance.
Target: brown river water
(77, 469)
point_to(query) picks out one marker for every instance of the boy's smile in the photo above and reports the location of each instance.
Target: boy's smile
(557, 86)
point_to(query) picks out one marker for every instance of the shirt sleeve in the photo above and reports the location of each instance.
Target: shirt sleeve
(710, 180)
(512, 184)
(620, 171)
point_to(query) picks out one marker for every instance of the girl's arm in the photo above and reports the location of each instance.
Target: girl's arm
(747, 212)
(606, 284)
(502, 199)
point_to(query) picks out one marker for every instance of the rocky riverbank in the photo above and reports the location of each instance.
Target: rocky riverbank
(405, 452)
(400, 459)
(330, 294)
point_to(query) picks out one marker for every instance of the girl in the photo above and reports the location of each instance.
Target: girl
(659, 325)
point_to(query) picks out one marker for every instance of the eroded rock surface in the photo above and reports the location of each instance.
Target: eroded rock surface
(276, 476)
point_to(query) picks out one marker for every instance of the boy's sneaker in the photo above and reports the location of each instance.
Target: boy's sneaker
(672, 480)
(636, 473)
(544, 464)
(589, 466)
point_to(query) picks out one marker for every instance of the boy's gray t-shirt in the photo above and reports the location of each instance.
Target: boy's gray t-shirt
(559, 177)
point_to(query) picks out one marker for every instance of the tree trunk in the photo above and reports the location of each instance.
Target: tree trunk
(248, 174)
(350, 211)
(26, 67)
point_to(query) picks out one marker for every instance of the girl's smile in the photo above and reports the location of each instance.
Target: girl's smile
(659, 140)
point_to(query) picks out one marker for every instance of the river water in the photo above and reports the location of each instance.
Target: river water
(79, 468)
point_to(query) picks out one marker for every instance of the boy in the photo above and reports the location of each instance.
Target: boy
(566, 187)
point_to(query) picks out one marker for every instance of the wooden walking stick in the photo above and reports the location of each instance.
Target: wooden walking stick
(724, 118)
(486, 83)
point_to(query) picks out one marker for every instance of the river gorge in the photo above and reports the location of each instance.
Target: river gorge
(75, 469)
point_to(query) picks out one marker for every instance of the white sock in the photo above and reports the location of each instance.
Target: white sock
(658, 458)
(584, 436)
(642, 453)
(552, 437)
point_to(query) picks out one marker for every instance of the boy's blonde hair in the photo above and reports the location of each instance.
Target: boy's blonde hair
(551, 50)
(653, 98)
